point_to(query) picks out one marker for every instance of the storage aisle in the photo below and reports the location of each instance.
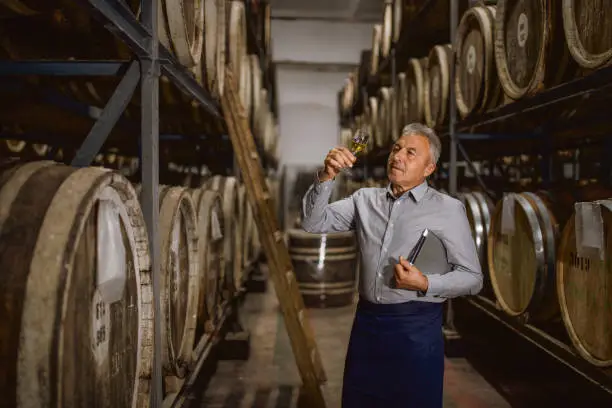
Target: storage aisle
(269, 379)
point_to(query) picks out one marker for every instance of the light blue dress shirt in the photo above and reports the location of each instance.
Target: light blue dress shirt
(388, 226)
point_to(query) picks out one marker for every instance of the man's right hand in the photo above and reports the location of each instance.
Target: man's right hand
(337, 159)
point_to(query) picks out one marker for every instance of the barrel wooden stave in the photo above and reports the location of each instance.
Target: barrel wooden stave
(585, 292)
(325, 267)
(180, 278)
(86, 352)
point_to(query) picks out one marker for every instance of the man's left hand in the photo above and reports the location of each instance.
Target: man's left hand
(410, 277)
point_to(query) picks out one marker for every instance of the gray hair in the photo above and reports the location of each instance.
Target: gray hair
(435, 146)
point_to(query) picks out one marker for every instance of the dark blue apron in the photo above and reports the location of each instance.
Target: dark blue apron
(395, 357)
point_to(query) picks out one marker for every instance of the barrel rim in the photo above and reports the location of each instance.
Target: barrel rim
(387, 30)
(439, 53)
(481, 237)
(574, 43)
(301, 233)
(186, 52)
(511, 89)
(480, 15)
(177, 202)
(375, 56)
(545, 216)
(485, 208)
(419, 74)
(208, 201)
(568, 230)
(91, 181)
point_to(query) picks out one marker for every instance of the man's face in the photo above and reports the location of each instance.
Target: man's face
(410, 161)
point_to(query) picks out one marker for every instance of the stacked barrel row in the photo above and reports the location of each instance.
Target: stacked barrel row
(504, 53)
(546, 258)
(396, 15)
(76, 287)
(204, 36)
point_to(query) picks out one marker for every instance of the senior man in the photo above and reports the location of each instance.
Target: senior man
(395, 356)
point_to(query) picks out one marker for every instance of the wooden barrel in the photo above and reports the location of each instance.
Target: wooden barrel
(588, 32)
(373, 119)
(325, 267)
(398, 8)
(382, 135)
(585, 291)
(348, 94)
(180, 30)
(232, 253)
(521, 256)
(185, 24)
(530, 51)
(387, 29)
(416, 85)
(246, 228)
(180, 288)
(401, 102)
(437, 88)
(477, 88)
(210, 256)
(75, 284)
(376, 40)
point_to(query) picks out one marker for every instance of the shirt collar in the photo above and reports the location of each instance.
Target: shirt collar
(416, 192)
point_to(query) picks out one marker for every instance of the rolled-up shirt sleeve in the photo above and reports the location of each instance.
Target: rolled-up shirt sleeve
(321, 217)
(465, 278)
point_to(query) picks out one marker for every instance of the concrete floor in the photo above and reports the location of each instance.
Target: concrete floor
(270, 379)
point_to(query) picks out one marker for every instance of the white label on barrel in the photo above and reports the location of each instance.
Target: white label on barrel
(522, 30)
(111, 260)
(471, 59)
(100, 328)
(589, 230)
(507, 221)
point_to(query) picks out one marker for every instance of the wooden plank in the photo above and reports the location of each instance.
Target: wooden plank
(298, 327)
(285, 265)
(284, 260)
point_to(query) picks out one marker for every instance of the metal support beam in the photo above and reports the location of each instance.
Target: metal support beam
(188, 84)
(63, 68)
(452, 182)
(449, 324)
(150, 179)
(110, 115)
(120, 20)
(124, 24)
(472, 168)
